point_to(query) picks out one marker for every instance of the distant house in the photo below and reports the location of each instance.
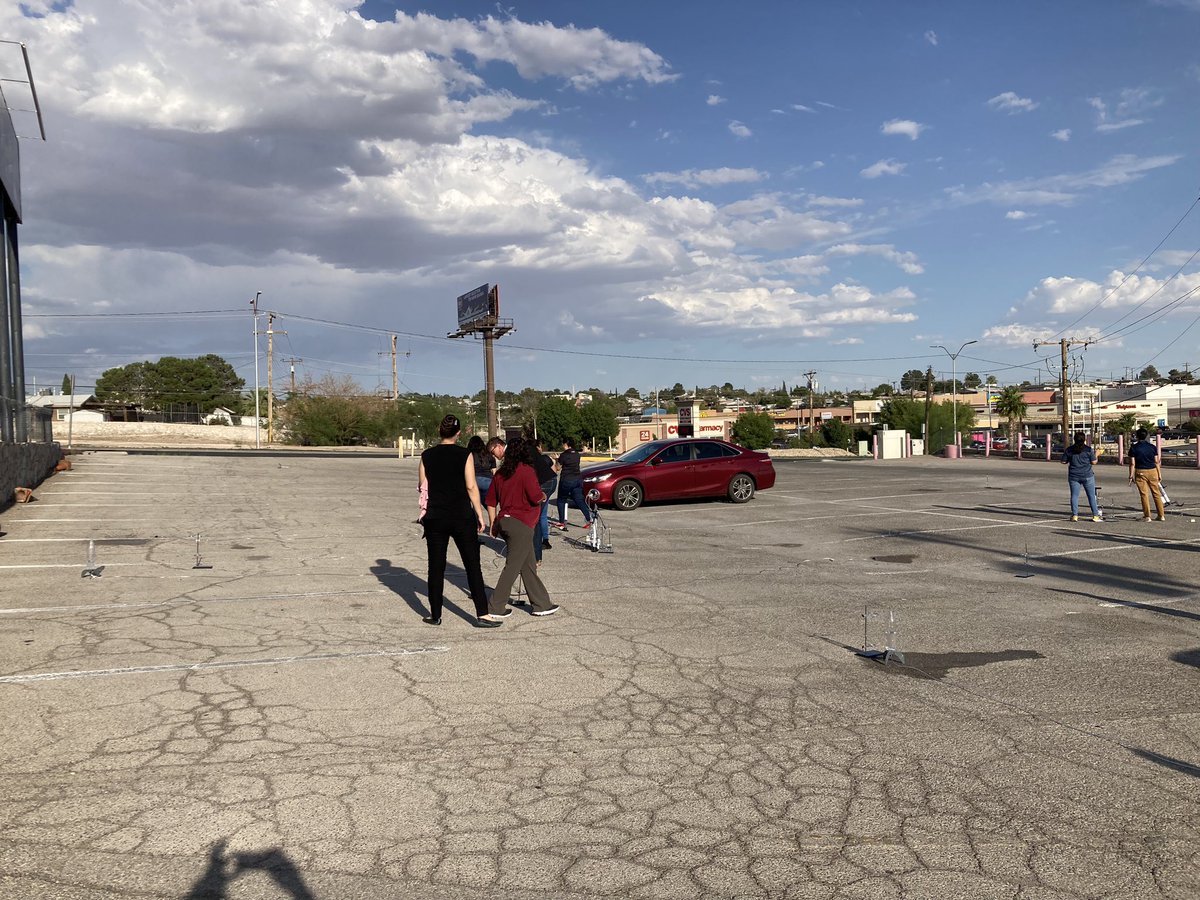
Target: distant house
(221, 416)
(78, 407)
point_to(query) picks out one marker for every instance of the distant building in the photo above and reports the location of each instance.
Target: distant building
(80, 407)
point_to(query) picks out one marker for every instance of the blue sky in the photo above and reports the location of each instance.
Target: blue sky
(698, 193)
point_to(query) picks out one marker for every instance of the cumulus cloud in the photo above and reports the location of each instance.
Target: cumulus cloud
(714, 100)
(737, 129)
(693, 178)
(910, 129)
(327, 159)
(765, 307)
(883, 167)
(1016, 214)
(1012, 103)
(1062, 189)
(1015, 335)
(1063, 134)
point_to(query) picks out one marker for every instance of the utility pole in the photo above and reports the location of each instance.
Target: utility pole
(1064, 344)
(292, 360)
(395, 379)
(928, 404)
(812, 413)
(270, 383)
(257, 413)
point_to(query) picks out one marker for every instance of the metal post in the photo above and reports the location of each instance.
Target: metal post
(254, 308)
(270, 378)
(7, 339)
(18, 341)
(953, 388)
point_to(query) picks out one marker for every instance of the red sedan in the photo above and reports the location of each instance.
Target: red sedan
(688, 467)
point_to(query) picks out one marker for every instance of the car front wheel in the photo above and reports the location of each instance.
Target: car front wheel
(627, 495)
(741, 488)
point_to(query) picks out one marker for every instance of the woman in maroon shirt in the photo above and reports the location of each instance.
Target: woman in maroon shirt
(515, 490)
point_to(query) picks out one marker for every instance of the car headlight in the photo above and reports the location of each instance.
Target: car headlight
(596, 479)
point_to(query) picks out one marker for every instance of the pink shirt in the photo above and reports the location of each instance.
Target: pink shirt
(519, 496)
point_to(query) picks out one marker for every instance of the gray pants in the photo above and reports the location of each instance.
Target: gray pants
(521, 562)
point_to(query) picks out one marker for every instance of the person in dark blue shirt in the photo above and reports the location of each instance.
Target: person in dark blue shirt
(1079, 459)
(1145, 471)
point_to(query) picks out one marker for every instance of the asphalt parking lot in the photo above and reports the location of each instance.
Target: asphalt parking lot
(696, 722)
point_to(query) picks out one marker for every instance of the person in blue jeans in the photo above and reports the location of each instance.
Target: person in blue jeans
(570, 485)
(547, 476)
(1079, 459)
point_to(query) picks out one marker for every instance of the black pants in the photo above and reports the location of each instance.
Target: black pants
(464, 531)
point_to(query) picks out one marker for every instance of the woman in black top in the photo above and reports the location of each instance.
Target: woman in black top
(454, 511)
(570, 485)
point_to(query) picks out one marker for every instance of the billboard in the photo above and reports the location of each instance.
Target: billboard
(478, 304)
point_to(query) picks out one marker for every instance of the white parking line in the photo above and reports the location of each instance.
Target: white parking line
(196, 667)
(176, 601)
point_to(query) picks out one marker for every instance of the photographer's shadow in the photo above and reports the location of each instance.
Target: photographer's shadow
(222, 870)
(404, 583)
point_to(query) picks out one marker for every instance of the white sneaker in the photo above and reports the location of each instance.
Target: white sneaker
(546, 612)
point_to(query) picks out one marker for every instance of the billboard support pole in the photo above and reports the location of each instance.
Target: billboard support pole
(479, 314)
(493, 413)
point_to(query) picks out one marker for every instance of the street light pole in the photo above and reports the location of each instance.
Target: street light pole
(953, 384)
(254, 308)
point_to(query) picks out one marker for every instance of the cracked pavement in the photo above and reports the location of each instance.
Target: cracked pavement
(695, 722)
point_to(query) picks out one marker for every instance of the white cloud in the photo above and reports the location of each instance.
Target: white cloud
(910, 129)
(906, 261)
(1016, 335)
(693, 178)
(1016, 214)
(883, 167)
(1063, 134)
(707, 303)
(1011, 103)
(737, 129)
(1062, 189)
(714, 100)
(834, 201)
(800, 107)
(327, 158)
(1126, 110)
(931, 37)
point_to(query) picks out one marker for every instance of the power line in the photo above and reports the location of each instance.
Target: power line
(1134, 272)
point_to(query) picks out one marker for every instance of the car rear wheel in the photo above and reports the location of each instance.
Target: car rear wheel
(627, 495)
(741, 488)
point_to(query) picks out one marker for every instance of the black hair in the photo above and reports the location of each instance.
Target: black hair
(475, 444)
(1141, 434)
(1080, 439)
(518, 451)
(449, 427)
(569, 443)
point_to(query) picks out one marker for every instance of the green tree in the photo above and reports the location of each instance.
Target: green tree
(66, 385)
(1149, 374)
(558, 419)
(836, 433)
(912, 381)
(753, 431)
(883, 390)
(598, 422)
(197, 386)
(905, 414)
(1125, 424)
(1011, 405)
(971, 381)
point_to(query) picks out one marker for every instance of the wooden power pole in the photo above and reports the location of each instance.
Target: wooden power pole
(1064, 345)
(270, 384)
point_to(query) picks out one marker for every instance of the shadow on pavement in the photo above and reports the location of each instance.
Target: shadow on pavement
(222, 870)
(405, 584)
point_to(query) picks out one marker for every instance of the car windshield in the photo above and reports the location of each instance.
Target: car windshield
(642, 452)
